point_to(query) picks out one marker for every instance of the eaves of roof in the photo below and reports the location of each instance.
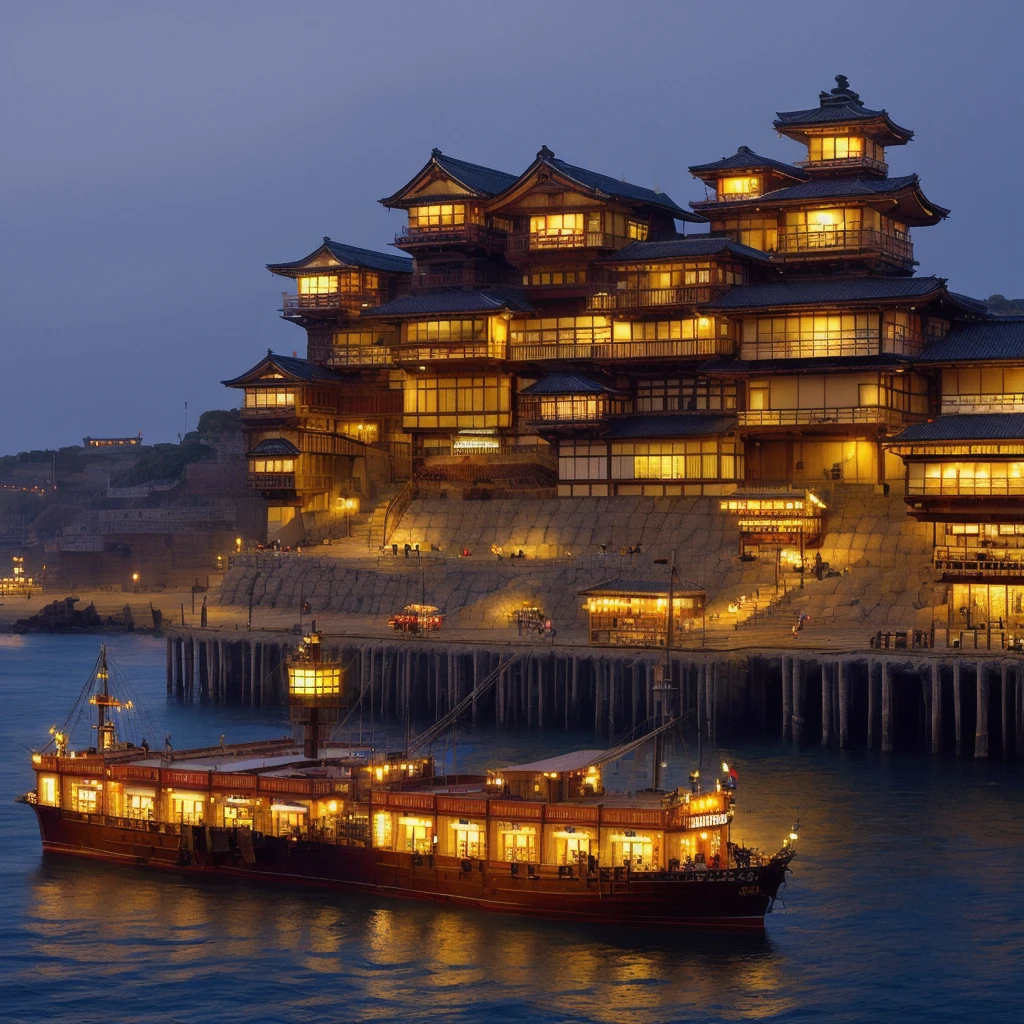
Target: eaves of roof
(693, 247)
(974, 342)
(771, 294)
(668, 425)
(349, 255)
(455, 300)
(290, 367)
(965, 427)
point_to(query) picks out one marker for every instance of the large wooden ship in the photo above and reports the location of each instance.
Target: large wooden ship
(542, 838)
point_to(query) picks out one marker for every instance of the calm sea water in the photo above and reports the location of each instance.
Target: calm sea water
(906, 903)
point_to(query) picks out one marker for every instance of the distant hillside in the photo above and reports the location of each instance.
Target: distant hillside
(1002, 306)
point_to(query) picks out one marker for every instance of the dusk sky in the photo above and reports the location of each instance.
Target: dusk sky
(156, 157)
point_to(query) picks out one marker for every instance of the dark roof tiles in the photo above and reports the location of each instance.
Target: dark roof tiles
(801, 293)
(567, 384)
(694, 247)
(671, 425)
(990, 339)
(350, 255)
(451, 301)
(746, 159)
(485, 180)
(291, 367)
(966, 427)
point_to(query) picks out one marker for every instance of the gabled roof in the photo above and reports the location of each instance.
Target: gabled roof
(454, 300)
(771, 294)
(601, 185)
(966, 427)
(567, 384)
(987, 339)
(289, 367)
(275, 446)
(745, 159)
(482, 182)
(694, 247)
(670, 425)
(346, 255)
(841, 105)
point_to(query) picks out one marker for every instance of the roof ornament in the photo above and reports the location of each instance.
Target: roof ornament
(544, 153)
(435, 152)
(270, 351)
(327, 238)
(842, 95)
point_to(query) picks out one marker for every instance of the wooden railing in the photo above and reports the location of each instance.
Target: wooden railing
(481, 349)
(841, 343)
(846, 163)
(450, 233)
(363, 355)
(809, 417)
(636, 298)
(290, 481)
(805, 240)
(971, 562)
(1004, 402)
(261, 412)
(331, 300)
(620, 349)
(396, 508)
(537, 240)
(966, 487)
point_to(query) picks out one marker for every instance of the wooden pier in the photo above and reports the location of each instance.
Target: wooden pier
(969, 703)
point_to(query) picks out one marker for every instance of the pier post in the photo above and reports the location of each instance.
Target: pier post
(170, 667)
(252, 673)
(1004, 708)
(981, 725)
(936, 707)
(798, 701)
(787, 696)
(870, 739)
(957, 706)
(844, 704)
(190, 668)
(826, 705)
(886, 707)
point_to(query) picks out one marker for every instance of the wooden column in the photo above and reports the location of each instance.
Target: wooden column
(957, 706)
(844, 704)
(787, 697)
(886, 707)
(981, 726)
(936, 707)
(826, 705)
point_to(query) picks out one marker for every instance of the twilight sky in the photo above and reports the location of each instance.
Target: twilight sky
(155, 157)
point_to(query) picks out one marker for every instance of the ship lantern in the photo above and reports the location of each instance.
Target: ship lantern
(316, 691)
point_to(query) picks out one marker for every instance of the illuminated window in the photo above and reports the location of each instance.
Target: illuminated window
(265, 398)
(273, 465)
(637, 230)
(437, 218)
(382, 830)
(48, 790)
(739, 188)
(965, 478)
(467, 840)
(712, 458)
(795, 337)
(541, 278)
(664, 330)
(443, 331)
(416, 835)
(87, 799)
(322, 284)
(557, 225)
(138, 805)
(757, 232)
(187, 809)
(578, 330)
(677, 394)
(457, 402)
(368, 433)
(519, 844)
(571, 408)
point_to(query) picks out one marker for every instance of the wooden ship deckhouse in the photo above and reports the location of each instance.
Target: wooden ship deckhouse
(557, 331)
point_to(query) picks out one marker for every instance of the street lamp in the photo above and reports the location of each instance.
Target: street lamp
(135, 582)
(349, 507)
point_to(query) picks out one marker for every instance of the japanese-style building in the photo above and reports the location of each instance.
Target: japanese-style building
(557, 331)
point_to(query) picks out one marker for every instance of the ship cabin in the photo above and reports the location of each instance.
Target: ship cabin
(775, 519)
(634, 613)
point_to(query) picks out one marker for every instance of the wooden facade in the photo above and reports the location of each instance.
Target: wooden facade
(559, 319)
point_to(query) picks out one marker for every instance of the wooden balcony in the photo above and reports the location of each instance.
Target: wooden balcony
(965, 487)
(874, 415)
(806, 241)
(982, 403)
(358, 356)
(446, 352)
(529, 352)
(540, 242)
(640, 298)
(290, 481)
(451, 234)
(300, 305)
(839, 343)
(972, 562)
(845, 164)
(274, 412)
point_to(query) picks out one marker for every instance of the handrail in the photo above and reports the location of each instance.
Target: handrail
(810, 417)
(396, 508)
(804, 240)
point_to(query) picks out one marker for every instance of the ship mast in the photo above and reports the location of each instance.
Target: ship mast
(106, 730)
(316, 691)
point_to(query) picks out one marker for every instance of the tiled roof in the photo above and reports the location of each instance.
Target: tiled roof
(966, 427)
(623, 585)
(567, 384)
(838, 105)
(455, 300)
(351, 255)
(855, 289)
(695, 247)
(671, 425)
(746, 159)
(475, 176)
(841, 188)
(989, 339)
(290, 366)
(275, 446)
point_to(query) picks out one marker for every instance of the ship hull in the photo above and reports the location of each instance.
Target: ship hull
(735, 899)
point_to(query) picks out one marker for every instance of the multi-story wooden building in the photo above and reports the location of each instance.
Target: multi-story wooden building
(556, 331)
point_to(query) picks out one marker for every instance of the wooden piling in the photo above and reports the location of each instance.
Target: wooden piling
(886, 707)
(957, 707)
(981, 699)
(936, 707)
(844, 704)
(798, 702)
(826, 705)
(787, 697)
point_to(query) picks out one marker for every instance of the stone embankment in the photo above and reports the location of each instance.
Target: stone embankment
(884, 556)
